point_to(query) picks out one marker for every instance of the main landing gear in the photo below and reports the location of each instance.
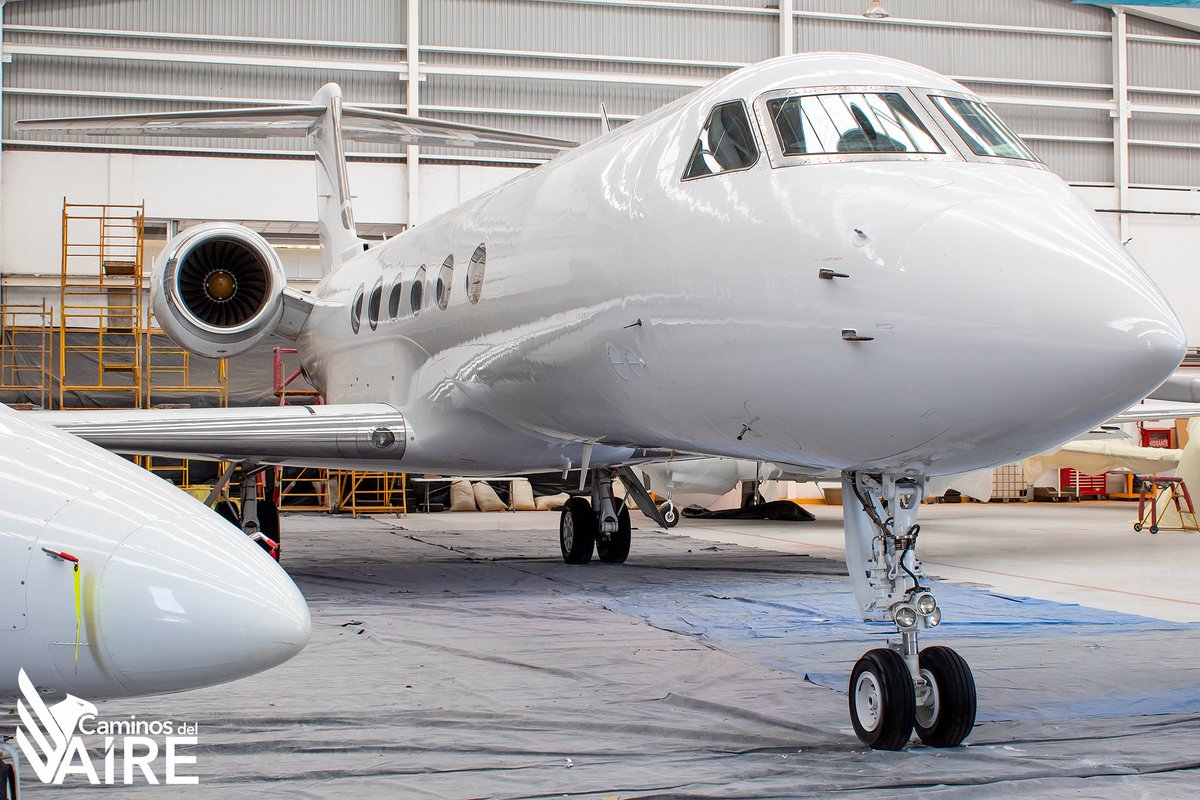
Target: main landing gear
(602, 524)
(258, 517)
(898, 688)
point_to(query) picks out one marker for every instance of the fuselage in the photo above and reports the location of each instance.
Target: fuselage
(979, 312)
(171, 596)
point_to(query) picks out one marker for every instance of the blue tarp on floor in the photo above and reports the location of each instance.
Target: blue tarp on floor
(810, 628)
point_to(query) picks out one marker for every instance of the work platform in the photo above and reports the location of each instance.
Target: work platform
(455, 656)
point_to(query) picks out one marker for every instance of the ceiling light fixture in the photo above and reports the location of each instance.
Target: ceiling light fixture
(876, 10)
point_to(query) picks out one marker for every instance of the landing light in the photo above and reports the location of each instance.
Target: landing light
(382, 438)
(934, 619)
(926, 604)
(905, 616)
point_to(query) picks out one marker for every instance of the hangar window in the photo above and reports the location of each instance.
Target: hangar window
(874, 122)
(475, 274)
(725, 145)
(374, 304)
(356, 309)
(416, 295)
(983, 131)
(442, 292)
(396, 296)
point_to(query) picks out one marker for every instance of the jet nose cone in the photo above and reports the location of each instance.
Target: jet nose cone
(190, 601)
(1050, 310)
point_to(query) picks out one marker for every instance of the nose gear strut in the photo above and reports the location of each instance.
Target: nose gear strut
(893, 690)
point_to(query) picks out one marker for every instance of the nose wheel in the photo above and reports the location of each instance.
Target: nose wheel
(882, 702)
(885, 706)
(948, 716)
(669, 513)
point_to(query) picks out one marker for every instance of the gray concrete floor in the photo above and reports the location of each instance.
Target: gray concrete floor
(455, 656)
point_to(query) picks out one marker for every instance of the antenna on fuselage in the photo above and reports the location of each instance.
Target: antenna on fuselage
(605, 125)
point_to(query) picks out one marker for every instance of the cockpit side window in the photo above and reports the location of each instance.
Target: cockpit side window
(868, 122)
(725, 145)
(982, 130)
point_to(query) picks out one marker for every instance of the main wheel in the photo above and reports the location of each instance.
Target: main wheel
(670, 514)
(951, 715)
(577, 531)
(613, 548)
(882, 700)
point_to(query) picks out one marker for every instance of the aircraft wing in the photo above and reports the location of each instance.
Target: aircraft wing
(1151, 409)
(361, 435)
(358, 123)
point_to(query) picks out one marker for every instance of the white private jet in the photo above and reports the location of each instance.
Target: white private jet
(118, 584)
(828, 261)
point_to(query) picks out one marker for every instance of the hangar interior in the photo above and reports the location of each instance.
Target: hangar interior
(455, 655)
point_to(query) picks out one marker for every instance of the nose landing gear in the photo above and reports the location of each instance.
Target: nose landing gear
(894, 690)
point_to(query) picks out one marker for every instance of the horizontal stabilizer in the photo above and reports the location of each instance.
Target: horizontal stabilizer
(357, 124)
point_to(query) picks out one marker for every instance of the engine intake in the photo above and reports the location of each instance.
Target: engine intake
(217, 289)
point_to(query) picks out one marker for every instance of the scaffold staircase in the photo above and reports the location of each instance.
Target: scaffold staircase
(101, 305)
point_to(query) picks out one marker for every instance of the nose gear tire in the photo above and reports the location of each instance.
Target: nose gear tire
(952, 719)
(882, 700)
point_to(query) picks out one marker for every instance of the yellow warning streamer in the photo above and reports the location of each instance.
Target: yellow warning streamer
(78, 616)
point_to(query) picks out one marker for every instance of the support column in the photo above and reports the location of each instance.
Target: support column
(412, 159)
(2, 2)
(1121, 114)
(787, 27)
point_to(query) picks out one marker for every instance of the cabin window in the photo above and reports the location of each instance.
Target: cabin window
(442, 290)
(416, 295)
(475, 274)
(982, 130)
(374, 304)
(875, 122)
(396, 296)
(725, 145)
(356, 309)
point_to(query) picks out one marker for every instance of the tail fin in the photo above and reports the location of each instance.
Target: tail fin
(330, 123)
(335, 209)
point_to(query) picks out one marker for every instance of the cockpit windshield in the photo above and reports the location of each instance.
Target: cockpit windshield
(982, 130)
(845, 122)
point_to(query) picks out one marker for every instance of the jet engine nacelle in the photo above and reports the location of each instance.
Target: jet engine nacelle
(217, 289)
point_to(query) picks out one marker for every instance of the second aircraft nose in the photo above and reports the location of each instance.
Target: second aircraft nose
(191, 601)
(1045, 300)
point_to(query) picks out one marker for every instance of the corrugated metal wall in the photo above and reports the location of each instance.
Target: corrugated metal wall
(545, 65)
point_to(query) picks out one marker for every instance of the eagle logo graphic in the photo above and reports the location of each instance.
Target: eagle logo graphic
(47, 734)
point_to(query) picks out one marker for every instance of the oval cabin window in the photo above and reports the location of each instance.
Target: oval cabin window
(396, 297)
(374, 304)
(356, 310)
(416, 295)
(445, 275)
(475, 274)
